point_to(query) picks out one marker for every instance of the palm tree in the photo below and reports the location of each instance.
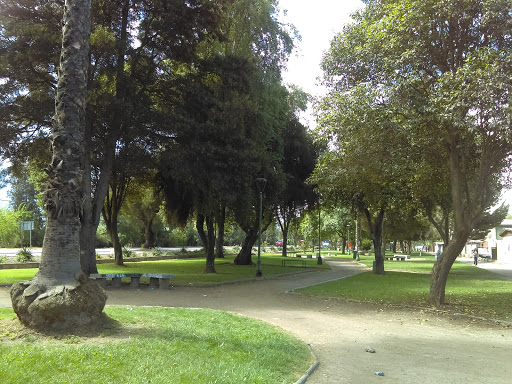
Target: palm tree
(60, 296)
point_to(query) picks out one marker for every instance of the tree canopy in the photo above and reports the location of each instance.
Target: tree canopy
(439, 73)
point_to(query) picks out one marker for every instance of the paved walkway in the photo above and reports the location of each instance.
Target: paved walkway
(411, 345)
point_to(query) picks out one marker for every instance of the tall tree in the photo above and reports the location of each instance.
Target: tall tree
(443, 71)
(60, 295)
(299, 159)
(367, 160)
(122, 78)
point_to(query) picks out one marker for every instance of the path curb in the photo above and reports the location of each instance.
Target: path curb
(311, 369)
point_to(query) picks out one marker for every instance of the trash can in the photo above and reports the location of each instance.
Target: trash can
(355, 254)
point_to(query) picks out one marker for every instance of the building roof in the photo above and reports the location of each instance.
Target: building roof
(506, 232)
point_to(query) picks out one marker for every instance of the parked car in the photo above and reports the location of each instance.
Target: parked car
(279, 243)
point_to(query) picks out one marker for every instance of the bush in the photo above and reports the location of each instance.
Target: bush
(366, 244)
(155, 252)
(24, 255)
(3, 259)
(127, 253)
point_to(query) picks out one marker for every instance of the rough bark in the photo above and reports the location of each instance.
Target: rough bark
(284, 219)
(285, 241)
(442, 268)
(461, 227)
(210, 253)
(219, 241)
(149, 234)
(208, 240)
(94, 199)
(93, 206)
(376, 231)
(60, 296)
(244, 257)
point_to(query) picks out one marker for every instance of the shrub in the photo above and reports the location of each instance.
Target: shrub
(24, 255)
(366, 244)
(128, 253)
(155, 252)
(3, 259)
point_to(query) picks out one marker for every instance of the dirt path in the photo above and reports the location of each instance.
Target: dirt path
(412, 346)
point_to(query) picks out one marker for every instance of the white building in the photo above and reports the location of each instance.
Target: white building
(499, 242)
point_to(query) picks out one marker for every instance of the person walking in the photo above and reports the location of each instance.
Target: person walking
(475, 256)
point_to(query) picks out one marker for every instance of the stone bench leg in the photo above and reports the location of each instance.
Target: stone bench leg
(102, 282)
(153, 282)
(135, 283)
(164, 283)
(116, 282)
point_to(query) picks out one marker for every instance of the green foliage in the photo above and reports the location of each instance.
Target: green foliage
(127, 253)
(24, 255)
(195, 346)
(10, 227)
(366, 244)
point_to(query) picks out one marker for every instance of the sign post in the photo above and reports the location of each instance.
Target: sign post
(26, 226)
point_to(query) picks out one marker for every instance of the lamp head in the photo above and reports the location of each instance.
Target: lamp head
(260, 184)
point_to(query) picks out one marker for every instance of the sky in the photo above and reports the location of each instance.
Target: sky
(317, 22)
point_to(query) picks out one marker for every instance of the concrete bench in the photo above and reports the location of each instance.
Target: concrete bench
(401, 257)
(156, 280)
(288, 261)
(397, 257)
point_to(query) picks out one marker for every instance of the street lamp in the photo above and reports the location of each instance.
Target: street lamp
(260, 184)
(348, 241)
(319, 258)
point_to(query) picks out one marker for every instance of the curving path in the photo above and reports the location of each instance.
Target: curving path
(411, 345)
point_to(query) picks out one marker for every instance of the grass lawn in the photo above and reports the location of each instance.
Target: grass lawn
(187, 271)
(469, 289)
(157, 345)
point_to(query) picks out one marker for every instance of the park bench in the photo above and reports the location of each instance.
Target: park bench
(397, 257)
(288, 261)
(156, 280)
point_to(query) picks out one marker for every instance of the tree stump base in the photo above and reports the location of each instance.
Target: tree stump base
(60, 307)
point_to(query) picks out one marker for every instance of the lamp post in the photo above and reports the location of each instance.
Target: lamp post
(260, 184)
(348, 240)
(319, 258)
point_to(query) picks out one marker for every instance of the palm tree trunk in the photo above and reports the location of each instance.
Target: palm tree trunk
(61, 296)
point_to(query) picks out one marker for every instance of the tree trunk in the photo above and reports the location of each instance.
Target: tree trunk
(60, 296)
(94, 206)
(376, 231)
(201, 232)
(462, 228)
(244, 257)
(208, 240)
(219, 241)
(285, 241)
(92, 209)
(116, 243)
(210, 252)
(149, 235)
(442, 268)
